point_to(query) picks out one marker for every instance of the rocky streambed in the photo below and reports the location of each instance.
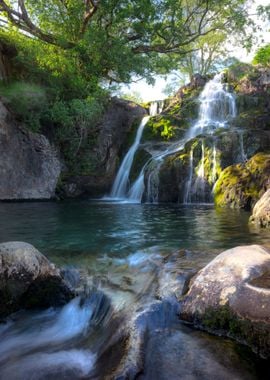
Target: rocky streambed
(124, 321)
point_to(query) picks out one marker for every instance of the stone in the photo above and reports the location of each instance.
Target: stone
(231, 297)
(29, 164)
(241, 185)
(28, 279)
(115, 128)
(261, 211)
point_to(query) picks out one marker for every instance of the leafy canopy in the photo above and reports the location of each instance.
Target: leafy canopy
(117, 39)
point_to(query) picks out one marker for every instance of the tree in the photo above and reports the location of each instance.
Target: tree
(262, 56)
(117, 39)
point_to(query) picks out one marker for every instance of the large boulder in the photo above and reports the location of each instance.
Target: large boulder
(28, 279)
(231, 296)
(241, 185)
(261, 211)
(29, 164)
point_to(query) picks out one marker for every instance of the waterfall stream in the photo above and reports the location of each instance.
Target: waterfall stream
(216, 108)
(120, 186)
(120, 189)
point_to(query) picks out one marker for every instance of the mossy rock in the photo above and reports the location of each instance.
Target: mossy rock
(240, 185)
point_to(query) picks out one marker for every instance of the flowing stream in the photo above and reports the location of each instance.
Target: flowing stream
(129, 261)
(217, 108)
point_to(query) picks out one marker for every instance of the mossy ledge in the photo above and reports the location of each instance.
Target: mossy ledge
(241, 185)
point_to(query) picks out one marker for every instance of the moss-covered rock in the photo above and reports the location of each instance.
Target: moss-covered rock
(241, 185)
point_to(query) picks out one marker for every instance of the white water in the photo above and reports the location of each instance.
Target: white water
(187, 195)
(121, 183)
(217, 108)
(242, 149)
(120, 190)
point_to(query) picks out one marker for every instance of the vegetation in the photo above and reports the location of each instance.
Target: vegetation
(69, 53)
(262, 56)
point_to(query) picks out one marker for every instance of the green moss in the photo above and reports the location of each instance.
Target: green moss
(241, 185)
(160, 128)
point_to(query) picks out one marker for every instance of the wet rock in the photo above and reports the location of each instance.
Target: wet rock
(231, 296)
(261, 211)
(29, 164)
(28, 279)
(241, 185)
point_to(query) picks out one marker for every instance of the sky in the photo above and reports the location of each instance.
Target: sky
(150, 93)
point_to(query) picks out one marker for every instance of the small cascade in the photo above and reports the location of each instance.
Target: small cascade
(120, 189)
(156, 107)
(241, 143)
(153, 182)
(199, 186)
(217, 108)
(187, 195)
(121, 183)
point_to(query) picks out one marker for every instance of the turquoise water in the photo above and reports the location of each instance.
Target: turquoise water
(71, 228)
(119, 250)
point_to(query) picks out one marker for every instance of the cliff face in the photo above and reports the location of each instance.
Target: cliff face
(29, 165)
(118, 122)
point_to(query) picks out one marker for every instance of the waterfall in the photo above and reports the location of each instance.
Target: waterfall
(216, 108)
(199, 186)
(156, 107)
(120, 189)
(120, 186)
(241, 143)
(187, 195)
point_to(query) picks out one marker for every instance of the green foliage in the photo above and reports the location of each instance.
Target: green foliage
(28, 101)
(262, 56)
(160, 128)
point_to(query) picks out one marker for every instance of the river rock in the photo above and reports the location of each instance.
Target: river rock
(28, 279)
(29, 164)
(231, 296)
(261, 211)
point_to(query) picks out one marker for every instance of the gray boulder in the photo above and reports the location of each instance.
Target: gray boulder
(29, 165)
(231, 296)
(28, 279)
(261, 211)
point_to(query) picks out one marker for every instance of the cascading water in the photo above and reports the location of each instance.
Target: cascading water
(120, 186)
(189, 181)
(120, 189)
(217, 108)
(242, 149)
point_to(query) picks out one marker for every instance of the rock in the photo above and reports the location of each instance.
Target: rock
(261, 211)
(241, 185)
(28, 279)
(29, 166)
(231, 296)
(115, 129)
